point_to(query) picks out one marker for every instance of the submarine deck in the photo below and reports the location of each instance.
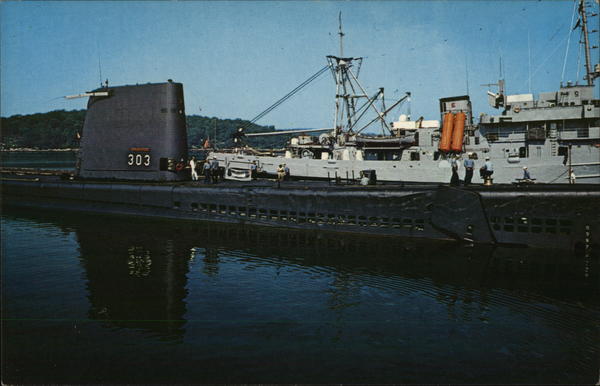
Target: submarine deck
(23, 174)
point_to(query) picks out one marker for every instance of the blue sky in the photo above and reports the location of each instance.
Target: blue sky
(237, 58)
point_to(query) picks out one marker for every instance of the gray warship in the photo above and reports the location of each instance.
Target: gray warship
(556, 136)
(134, 141)
(134, 150)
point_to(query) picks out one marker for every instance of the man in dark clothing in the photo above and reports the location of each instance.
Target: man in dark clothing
(206, 170)
(454, 181)
(214, 170)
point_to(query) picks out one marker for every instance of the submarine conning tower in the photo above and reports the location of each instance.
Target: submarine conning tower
(134, 132)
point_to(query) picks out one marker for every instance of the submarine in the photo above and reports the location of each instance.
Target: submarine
(134, 143)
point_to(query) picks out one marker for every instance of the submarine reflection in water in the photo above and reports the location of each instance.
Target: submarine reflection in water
(141, 279)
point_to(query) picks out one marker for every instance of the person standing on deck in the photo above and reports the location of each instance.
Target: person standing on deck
(286, 172)
(526, 175)
(214, 170)
(469, 166)
(206, 169)
(280, 173)
(193, 169)
(454, 181)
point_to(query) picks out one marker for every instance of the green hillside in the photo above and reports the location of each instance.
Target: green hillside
(58, 130)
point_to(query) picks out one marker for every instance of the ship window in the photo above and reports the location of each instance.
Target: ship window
(566, 231)
(508, 220)
(551, 230)
(223, 209)
(252, 212)
(536, 229)
(232, 210)
(477, 140)
(523, 152)
(565, 223)
(522, 228)
(583, 132)
(213, 207)
(419, 227)
(177, 204)
(194, 206)
(415, 156)
(550, 221)
(509, 228)
(536, 221)
(496, 227)
(204, 207)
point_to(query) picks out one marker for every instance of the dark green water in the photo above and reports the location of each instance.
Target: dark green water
(114, 300)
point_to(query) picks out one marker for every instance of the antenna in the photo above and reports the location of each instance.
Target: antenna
(529, 60)
(99, 64)
(341, 35)
(467, 72)
(100, 70)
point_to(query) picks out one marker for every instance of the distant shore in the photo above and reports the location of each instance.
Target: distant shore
(28, 149)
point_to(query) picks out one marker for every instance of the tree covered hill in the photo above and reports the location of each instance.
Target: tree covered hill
(59, 130)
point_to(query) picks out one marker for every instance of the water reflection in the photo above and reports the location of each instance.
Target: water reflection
(140, 276)
(249, 304)
(135, 279)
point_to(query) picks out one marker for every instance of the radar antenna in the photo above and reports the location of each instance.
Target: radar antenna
(341, 33)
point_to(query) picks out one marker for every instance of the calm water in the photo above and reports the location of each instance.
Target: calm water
(58, 160)
(111, 300)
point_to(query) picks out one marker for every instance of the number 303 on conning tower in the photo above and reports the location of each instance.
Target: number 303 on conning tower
(138, 157)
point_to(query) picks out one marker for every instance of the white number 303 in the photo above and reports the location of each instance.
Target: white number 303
(138, 159)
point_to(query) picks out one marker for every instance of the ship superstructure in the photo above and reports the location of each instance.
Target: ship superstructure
(556, 136)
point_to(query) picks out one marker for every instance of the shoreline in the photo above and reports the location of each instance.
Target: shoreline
(31, 150)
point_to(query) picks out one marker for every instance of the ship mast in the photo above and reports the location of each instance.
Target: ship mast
(591, 74)
(349, 90)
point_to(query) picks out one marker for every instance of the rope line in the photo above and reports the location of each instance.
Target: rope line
(290, 94)
(562, 77)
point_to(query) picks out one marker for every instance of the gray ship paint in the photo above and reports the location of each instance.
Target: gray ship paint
(137, 132)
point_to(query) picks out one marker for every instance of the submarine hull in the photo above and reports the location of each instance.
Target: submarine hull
(493, 215)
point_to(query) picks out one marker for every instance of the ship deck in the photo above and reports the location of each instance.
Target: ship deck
(38, 175)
